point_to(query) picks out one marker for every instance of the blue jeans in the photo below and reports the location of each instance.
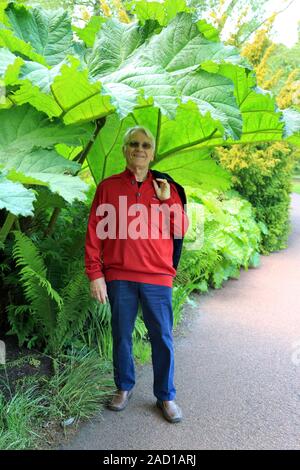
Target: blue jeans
(156, 303)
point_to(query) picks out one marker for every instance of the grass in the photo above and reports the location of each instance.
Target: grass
(18, 416)
(77, 390)
(80, 386)
(141, 351)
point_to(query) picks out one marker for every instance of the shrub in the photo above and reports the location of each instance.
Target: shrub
(262, 175)
(231, 240)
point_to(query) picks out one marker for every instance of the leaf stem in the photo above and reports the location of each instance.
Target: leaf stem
(9, 221)
(82, 156)
(49, 230)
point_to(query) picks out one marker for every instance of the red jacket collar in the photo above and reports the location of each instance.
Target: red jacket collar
(127, 173)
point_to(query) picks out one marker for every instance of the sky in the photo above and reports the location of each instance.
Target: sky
(285, 25)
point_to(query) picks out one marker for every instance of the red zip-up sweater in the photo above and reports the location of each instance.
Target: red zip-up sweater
(123, 257)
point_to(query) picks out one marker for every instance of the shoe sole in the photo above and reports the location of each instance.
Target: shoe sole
(113, 408)
(171, 420)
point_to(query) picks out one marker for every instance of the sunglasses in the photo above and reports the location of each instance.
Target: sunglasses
(144, 145)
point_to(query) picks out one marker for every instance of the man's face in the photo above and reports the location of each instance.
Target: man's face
(139, 151)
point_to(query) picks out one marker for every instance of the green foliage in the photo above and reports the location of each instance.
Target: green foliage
(162, 12)
(297, 163)
(190, 87)
(47, 286)
(180, 295)
(95, 333)
(51, 311)
(80, 385)
(230, 241)
(77, 390)
(262, 174)
(49, 292)
(67, 101)
(14, 197)
(228, 15)
(28, 156)
(106, 157)
(141, 351)
(287, 60)
(17, 418)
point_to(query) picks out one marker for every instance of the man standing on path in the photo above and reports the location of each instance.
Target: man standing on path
(135, 224)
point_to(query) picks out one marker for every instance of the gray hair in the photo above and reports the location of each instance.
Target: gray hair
(134, 129)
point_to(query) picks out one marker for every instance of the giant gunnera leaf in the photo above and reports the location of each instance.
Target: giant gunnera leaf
(166, 70)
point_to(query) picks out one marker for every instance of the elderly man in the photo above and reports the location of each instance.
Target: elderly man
(134, 261)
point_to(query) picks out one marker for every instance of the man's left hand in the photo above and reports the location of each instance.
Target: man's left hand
(163, 191)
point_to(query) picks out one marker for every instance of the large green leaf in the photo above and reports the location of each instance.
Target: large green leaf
(262, 120)
(196, 169)
(208, 31)
(48, 32)
(106, 156)
(180, 81)
(23, 128)
(162, 12)
(165, 69)
(181, 48)
(83, 102)
(46, 168)
(115, 43)
(53, 92)
(178, 64)
(26, 139)
(9, 65)
(89, 32)
(15, 44)
(214, 96)
(36, 161)
(35, 88)
(15, 198)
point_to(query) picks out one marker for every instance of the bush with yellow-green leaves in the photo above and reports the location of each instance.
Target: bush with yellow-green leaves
(262, 174)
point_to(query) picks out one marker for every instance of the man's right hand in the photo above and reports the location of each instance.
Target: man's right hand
(98, 290)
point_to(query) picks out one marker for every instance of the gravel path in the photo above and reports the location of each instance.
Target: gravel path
(236, 372)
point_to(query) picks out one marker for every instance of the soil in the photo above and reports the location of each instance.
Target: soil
(21, 363)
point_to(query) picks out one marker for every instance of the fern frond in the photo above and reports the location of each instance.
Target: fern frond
(75, 308)
(43, 299)
(21, 322)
